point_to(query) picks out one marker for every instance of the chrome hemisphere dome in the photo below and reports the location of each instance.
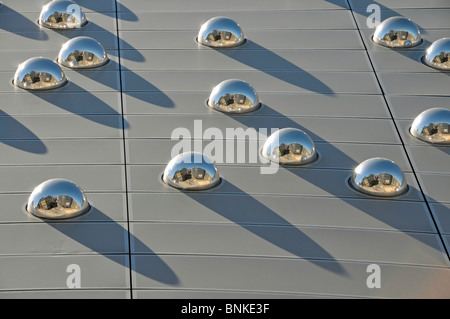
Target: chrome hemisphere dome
(438, 54)
(39, 74)
(62, 14)
(57, 199)
(380, 177)
(191, 171)
(289, 146)
(221, 32)
(234, 96)
(82, 53)
(397, 32)
(432, 126)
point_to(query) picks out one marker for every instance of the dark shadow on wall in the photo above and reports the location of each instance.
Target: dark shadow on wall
(84, 104)
(102, 35)
(288, 237)
(127, 14)
(12, 129)
(112, 242)
(132, 84)
(280, 68)
(330, 188)
(14, 22)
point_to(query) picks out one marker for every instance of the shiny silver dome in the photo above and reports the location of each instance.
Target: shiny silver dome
(289, 146)
(82, 53)
(380, 177)
(57, 199)
(62, 14)
(191, 171)
(397, 32)
(39, 74)
(432, 126)
(438, 54)
(234, 96)
(220, 32)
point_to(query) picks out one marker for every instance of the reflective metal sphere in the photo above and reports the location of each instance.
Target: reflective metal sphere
(220, 32)
(380, 177)
(289, 146)
(191, 171)
(57, 199)
(432, 126)
(39, 74)
(234, 96)
(397, 32)
(62, 14)
(82, 53)
(438, 54)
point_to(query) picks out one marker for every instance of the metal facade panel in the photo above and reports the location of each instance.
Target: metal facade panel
(320, 82)
(281, 210)
(238, 60)
(436, 186)
(315, 68)
(288, 241)
(50, 272)
(403, 83)
(255, 19)
(266, 39)
(320, 129)
(442, 216)
(228, 273)
(199, 5)
(405, 61)
(273, 104)
(408, 107)
(408, 95)
(63, 238)
(430, 159)
(75, 132)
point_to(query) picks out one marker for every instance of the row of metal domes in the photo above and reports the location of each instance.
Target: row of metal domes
(66, 14)
(43, 74)
(60, 198)
(218, 32)
(400, 32)
(79, 53)
(230, 96)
